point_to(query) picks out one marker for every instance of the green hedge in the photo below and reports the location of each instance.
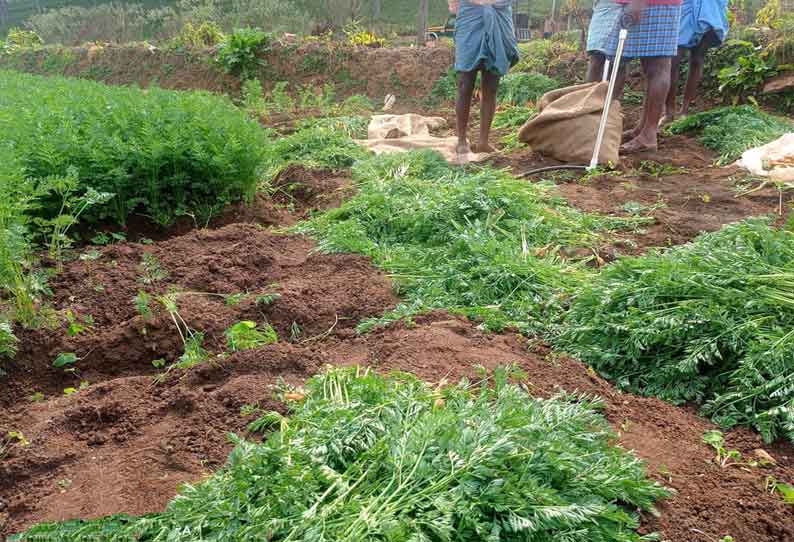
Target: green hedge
(162, 153)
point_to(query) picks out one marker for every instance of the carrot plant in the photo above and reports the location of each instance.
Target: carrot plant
(247, 335)
(710, 321)
(162, 153)
(366, 458)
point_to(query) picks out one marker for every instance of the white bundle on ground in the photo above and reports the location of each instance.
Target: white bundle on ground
(402, 133)
(774, 160)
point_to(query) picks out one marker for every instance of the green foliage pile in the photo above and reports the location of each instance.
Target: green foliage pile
(519, 89)
(315, 146)
(352, 126)
(732, 130)
(480, 241)
(162, 153)
(371, 458)
(710, 321)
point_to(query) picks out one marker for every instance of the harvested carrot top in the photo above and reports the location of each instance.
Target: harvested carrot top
(369, 458)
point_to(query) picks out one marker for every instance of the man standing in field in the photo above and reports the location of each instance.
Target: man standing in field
(653, 38)
(704, 24)
(485, 43)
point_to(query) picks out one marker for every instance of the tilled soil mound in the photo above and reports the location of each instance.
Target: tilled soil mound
(318, 295)
(127, 444)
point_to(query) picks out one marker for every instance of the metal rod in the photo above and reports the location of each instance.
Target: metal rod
(551, 168)
(610, 91)
(606, 70)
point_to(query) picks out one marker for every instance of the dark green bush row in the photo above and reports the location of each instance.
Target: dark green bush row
(162, 153)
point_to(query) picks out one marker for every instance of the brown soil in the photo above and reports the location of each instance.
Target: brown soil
(407, 72)
(318, 294)
(689, 197)
(125, 445)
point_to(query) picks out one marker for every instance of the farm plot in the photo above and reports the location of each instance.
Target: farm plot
(154, 350)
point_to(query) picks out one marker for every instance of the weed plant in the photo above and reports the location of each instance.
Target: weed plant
(239, 51)
(512, 116)
(709, 322)
(477, 241)
(370, 458)
(162, 153)
(730, 131)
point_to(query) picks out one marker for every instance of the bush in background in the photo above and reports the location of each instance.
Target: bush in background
(122, 22)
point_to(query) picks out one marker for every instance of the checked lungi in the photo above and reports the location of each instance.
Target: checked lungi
(656, 35)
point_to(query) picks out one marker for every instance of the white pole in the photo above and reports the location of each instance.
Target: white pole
(606, 70)
(610, 90)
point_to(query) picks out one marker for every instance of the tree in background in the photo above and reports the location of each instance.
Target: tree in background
(333, 13)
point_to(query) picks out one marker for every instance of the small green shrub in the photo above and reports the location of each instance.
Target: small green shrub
(538, 56)
(19, 39)
(162, 153)
(355, 127)
(512, 116)
(444, 89)
(745, 78)
(8, 342)
(721, 58)
(239, 51)
(206, 34)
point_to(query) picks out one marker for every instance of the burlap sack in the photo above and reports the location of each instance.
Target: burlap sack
(566, 126)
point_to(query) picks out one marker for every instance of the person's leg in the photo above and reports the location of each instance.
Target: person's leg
(466, 82)
(595, 67)
(675, 69)
(620, 84)
(489, 85)
(657, 74)
(697, 60)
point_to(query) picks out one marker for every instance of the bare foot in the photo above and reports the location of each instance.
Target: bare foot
(639, 144)
(486, 148)
(628, 135)
(463, 148)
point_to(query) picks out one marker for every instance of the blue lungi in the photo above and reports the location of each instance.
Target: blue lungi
(698, 17)
(484, 37)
